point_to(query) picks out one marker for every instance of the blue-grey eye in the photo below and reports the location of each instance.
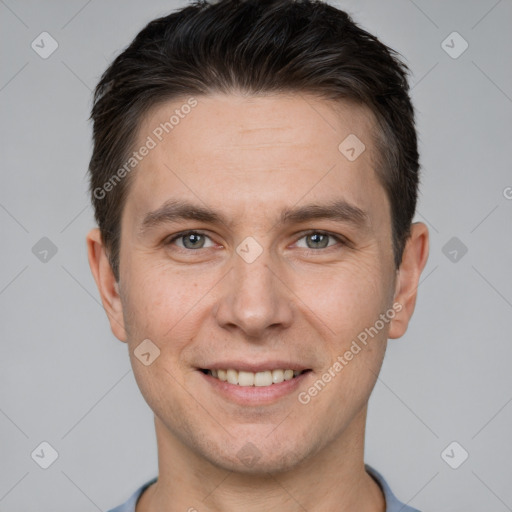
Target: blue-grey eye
(190, 240)
(193, 241)
(318, 240)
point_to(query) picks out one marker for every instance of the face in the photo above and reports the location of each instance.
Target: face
(251, 243)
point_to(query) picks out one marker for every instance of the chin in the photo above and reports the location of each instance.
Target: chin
(276, 463)
(259, 458)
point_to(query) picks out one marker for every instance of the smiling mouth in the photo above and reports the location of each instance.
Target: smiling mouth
(256, 379)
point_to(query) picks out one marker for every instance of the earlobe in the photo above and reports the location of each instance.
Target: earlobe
(408, 276)
(106, 282)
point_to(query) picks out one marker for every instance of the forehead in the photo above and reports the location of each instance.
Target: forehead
(254, 150)
(256, 123)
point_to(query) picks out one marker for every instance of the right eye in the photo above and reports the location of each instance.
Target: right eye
(192, 240)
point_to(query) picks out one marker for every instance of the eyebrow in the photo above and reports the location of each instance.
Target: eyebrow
(177, 210)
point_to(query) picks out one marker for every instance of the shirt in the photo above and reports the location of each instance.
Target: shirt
(392, 502)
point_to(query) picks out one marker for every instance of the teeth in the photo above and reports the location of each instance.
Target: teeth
(277, 376)
(232, 376)
(247, 379)
(260, 378)
(265, 378)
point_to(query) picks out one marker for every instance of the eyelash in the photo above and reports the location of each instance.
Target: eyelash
(340, 240)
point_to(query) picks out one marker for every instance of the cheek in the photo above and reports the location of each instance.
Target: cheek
(347, 300)
(350, 303)
(357, 297)
(166, 304)
(162, 306)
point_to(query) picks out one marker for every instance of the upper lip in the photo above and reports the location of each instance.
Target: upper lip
(255, 367)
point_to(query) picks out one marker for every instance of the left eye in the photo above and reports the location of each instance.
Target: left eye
(191, 240)
(319, 240)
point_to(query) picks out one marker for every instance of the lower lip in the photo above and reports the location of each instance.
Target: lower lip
(255, 395)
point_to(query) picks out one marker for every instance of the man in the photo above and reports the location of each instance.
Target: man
(254, 179)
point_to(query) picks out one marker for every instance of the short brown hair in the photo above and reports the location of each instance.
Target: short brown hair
(254, 46)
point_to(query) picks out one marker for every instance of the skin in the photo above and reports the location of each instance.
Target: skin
(249, 158)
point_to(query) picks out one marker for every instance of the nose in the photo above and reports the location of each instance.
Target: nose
(254, 298)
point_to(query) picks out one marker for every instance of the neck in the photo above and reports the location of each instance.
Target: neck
(333, 479)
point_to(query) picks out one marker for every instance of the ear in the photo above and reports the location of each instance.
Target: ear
(414, 260)
(106, 282)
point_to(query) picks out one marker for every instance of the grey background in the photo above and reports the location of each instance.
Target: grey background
(66, 380)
